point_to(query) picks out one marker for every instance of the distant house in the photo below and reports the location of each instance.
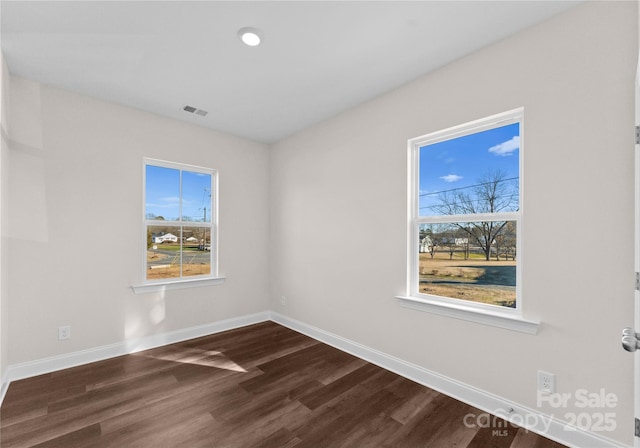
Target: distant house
(166, 238)
(192, 239)
(462, 241)
(425, 245)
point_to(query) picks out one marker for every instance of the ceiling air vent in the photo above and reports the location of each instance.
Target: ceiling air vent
(195, 110)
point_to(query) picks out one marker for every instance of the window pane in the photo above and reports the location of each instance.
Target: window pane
(476, 173)
(196, 255)
(163, 252)
(473, 261)
(162, 193)
(196, 197)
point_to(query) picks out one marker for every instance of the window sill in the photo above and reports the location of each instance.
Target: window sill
(176, 284)
(456, 311)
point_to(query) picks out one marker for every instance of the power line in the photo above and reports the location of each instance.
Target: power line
(469, 186)
(468, 201)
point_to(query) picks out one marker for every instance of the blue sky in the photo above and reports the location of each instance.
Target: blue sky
(162, 193)
(460, 162)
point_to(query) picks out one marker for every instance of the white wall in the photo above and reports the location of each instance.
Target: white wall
(338, 217)
(75, 176)
(321, 218)
(4, 192)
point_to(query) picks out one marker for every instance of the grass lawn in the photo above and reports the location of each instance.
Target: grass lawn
(174, 271)
(476, 279)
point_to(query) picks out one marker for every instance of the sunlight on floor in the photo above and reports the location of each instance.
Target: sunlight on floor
(206, 358)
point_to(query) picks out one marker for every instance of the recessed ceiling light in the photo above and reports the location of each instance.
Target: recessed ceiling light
(250, 36)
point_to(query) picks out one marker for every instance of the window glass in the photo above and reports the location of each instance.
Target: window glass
(475, 173)
(196, 197)
(196, 251)
(163, 252)
(466, 211)
(179, 221)
(456, 260)
(162, 193)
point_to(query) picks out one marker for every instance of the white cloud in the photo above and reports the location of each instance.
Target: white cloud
(451, 178)
(166, 202)
(506, 148)
(446, 158)
(170, 199)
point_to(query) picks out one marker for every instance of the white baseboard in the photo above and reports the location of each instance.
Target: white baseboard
(528, 418)
(54, 363)
(4, 386)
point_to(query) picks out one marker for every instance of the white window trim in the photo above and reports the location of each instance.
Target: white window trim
(464, 312)
(171, 285)
(502, 317)
(148, 286)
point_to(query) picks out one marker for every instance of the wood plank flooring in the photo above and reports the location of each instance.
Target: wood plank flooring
(258, 386)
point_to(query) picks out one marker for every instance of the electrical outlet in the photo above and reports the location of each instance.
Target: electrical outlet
(283, 300)
(546, 382)
(64, 332)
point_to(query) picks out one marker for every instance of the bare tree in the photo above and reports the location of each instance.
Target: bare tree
(506, 242)
(493, 193)
(431, 237)
(434, 238)
(449, 240)
(462, 239)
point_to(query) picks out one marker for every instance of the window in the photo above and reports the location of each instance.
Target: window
(180, 217)
(465, 215)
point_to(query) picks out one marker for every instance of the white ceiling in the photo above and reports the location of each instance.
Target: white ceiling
(317, 58)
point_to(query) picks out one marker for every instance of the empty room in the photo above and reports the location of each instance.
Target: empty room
(319, 224)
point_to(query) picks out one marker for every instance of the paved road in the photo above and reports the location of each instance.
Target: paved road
(188, 256)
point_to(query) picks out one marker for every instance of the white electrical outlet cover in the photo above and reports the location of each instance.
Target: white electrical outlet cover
(546, 382)
(64, 332)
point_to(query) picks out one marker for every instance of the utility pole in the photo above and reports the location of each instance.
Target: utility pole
(204, 239)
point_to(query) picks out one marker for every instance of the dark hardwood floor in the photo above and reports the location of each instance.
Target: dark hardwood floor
(258, 386)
